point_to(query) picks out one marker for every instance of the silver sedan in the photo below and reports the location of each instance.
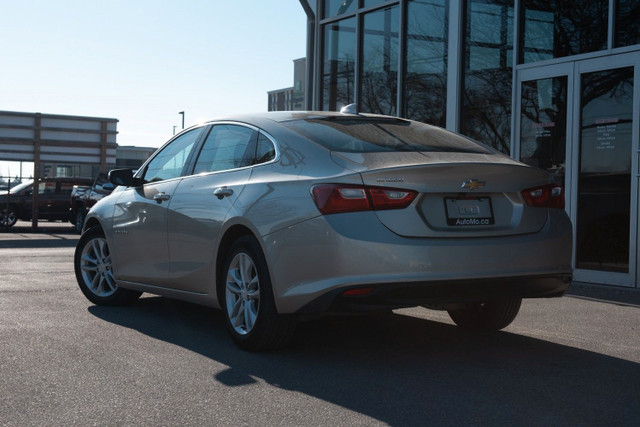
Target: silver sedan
(282, 216)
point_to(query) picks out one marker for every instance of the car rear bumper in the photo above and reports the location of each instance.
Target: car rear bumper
(436, 294)
(326, 255)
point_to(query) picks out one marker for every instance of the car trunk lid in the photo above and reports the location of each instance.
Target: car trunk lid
(460, 194)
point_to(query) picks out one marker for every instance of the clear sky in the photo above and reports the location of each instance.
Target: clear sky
(143, 61)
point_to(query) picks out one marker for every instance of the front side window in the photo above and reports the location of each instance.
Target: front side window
(47, 187)
(170, 161)
(227, 147)
(101, 180)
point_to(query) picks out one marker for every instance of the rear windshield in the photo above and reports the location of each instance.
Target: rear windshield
(375, 134)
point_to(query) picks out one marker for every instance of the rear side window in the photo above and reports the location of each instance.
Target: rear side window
(265, 151)
(371, 135)
(227, 147)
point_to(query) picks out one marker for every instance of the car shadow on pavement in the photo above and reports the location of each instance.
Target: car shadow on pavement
(43, 240)
(50, 235)
(403, 370)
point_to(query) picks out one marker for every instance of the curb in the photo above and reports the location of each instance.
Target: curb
(605, 293)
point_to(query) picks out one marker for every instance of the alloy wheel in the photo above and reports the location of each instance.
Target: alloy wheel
(95, 265)
(7, 218)
(242, 293)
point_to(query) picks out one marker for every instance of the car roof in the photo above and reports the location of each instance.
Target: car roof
(284, 116)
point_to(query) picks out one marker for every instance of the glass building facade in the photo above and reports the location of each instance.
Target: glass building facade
(555, 84)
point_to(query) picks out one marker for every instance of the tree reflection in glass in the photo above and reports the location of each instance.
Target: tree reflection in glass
(553, 29)
(488, 63)
(426, 66)
(627, 25)
(380, 62)
(543, 125)
(338, 73)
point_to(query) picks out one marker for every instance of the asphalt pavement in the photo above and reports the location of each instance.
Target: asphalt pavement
(565, 361)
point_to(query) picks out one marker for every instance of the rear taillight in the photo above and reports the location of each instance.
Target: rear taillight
(545, 196)
(340, 198)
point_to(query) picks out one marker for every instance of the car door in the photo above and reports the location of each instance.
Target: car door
(204, 200)
(61, 201)
(140, 247)
(47, 199)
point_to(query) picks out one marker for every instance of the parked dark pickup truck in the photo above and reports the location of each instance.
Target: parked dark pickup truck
(53, 200)
(84, 197)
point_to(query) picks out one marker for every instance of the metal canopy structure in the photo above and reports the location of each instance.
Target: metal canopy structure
(37, 137)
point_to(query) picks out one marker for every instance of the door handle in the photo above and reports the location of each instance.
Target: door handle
(161, 197)
(222, 192)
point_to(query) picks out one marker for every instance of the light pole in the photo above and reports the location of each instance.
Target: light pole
(174, 129)
(182, 114)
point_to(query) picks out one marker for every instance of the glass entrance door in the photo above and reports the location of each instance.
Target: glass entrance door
(579, 121)
(543, 133)
(606, 154)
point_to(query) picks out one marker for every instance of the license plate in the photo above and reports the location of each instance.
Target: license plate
(468, 212)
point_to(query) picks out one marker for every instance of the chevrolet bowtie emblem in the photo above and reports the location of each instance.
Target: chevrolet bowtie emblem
(472, 184)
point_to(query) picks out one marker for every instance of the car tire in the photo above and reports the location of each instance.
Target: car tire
(487, 316)
(80, 216)
(92, 262)
(247, 300)
(8, 217)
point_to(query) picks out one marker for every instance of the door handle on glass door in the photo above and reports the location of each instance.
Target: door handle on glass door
(222, 192)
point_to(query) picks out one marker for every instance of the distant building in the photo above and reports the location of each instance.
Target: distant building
(126, 157)
(65, 146)
(129, 156)
(291, 98)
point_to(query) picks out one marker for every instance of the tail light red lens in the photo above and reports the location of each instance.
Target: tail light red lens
(545, 196)
(341, 198)
(333, 198)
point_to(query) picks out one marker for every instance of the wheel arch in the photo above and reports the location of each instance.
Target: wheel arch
(77, 205)
(17, 208)
(230, 235)
(90, 222)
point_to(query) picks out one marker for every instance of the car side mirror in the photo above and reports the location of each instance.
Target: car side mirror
(124, 177)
